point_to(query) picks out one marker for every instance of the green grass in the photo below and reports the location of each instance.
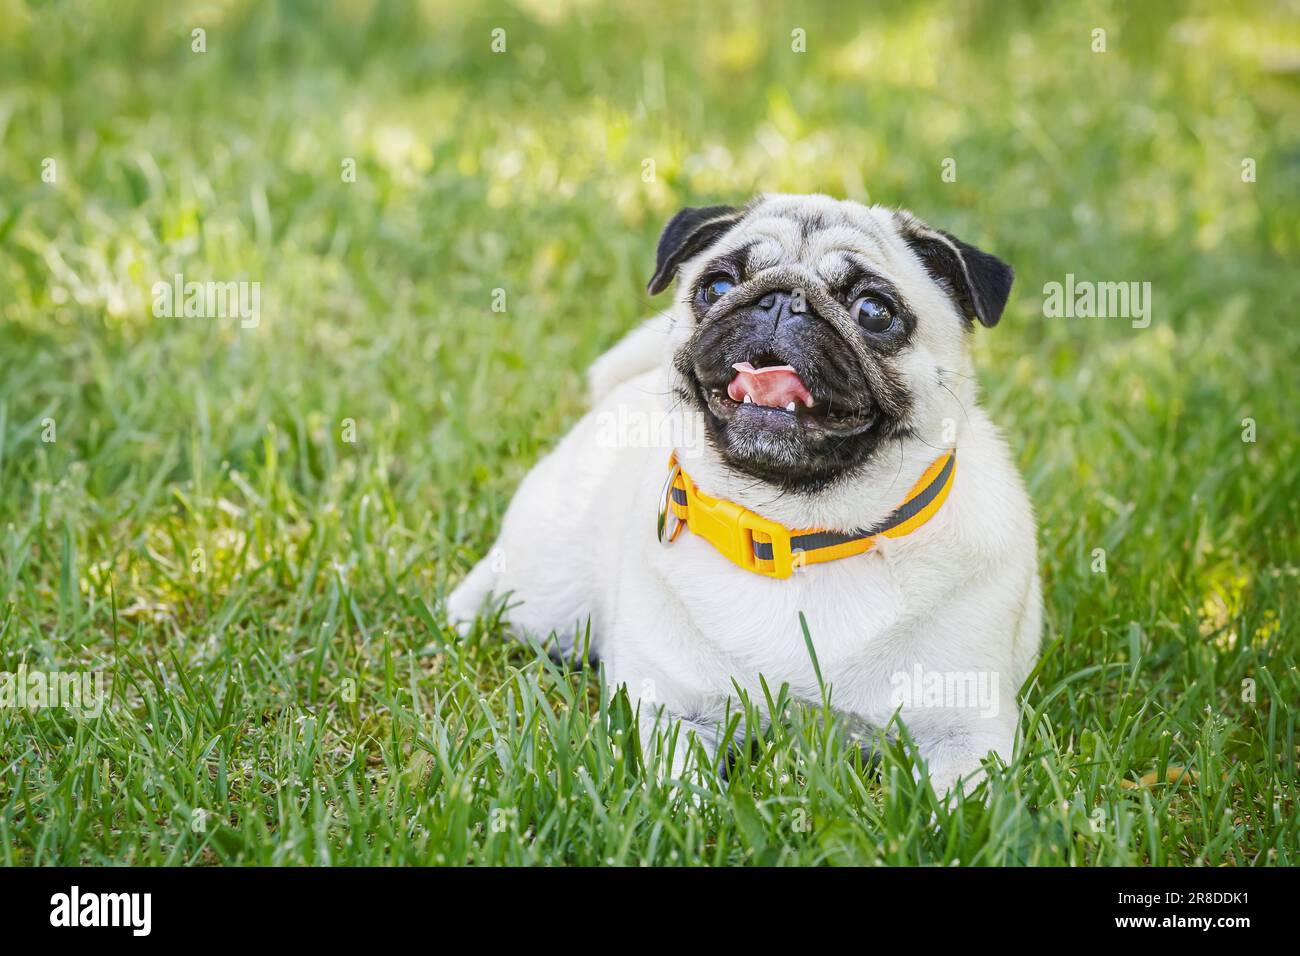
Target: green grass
(298, 698)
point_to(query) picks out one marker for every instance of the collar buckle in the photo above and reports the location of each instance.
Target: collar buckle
(769, 533)
(737, 532)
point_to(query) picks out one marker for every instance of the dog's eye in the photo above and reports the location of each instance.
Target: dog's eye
(716, 288)
(872, 314)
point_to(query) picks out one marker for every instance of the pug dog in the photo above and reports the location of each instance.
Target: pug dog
(798, 434)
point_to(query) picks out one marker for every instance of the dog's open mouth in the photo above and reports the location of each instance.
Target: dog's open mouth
(777, 394)
(776, 386)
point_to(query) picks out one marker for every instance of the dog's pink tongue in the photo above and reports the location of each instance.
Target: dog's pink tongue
(774, 385)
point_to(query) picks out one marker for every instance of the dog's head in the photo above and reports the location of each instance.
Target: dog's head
(813, 331)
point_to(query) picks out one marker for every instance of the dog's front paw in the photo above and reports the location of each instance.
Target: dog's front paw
(949, 780)
(955, 764)
(469, 597)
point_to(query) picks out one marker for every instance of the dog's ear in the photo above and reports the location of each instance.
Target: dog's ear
(688, 233)
(978, 282)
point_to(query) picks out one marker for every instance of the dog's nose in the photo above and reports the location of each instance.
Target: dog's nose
(776, 305)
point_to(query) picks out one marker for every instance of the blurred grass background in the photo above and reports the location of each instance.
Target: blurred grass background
(322, 560)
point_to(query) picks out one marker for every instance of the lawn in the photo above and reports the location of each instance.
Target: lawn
(246, 528)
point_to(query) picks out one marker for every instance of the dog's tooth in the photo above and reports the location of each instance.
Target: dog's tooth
(790, 407)
(748, 400)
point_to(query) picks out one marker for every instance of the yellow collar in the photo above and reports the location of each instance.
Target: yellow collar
(765, 547)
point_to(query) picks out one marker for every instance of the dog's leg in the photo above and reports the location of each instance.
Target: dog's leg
(676, 747)
(470, 595)
(1029, 632)
(955, 756)
(954, 741)
(560, 607)
(548, 561)
(954, 749)
(670, 716)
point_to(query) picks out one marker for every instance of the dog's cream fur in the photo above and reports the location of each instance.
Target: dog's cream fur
(678, 625)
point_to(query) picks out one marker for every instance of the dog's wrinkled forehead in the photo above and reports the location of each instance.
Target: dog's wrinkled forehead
(825, 236)
(819, 240)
